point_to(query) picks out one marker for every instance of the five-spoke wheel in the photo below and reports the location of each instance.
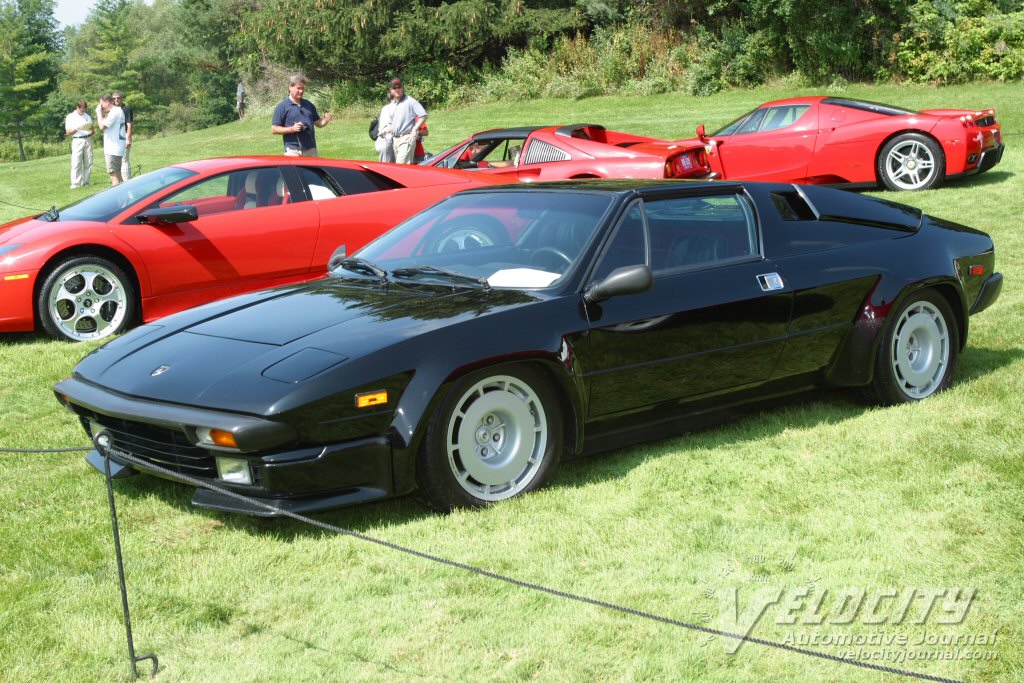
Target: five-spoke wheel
(85, 298)
(497, 434)
(911, 162)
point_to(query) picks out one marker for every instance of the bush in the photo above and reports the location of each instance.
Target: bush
(958, 42)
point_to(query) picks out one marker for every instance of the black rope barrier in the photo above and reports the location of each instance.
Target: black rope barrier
(126, 458)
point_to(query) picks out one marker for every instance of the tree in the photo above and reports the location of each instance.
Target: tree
(25, 62)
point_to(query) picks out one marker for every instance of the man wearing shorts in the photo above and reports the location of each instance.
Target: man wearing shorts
(112, 125)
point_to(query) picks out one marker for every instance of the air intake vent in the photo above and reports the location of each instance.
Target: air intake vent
(541, 152)
(792, 207)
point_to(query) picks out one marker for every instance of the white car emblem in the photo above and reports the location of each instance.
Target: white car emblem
(160, 370)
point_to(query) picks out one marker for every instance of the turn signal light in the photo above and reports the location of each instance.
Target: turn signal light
(372, 398)
(216, 437)
(977, 270)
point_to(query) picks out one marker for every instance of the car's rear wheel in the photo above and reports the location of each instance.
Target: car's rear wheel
(86, 298)
(918, 353)
(911, 161)
(497, 434)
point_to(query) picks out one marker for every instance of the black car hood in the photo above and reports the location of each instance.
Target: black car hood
(254, 350)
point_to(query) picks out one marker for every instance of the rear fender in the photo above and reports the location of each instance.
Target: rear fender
(854, 363)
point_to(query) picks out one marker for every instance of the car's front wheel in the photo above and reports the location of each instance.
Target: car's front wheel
(918, 353)
(84, 298)
(497, 434)
(911, 161)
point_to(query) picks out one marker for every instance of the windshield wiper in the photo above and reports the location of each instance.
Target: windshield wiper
(51, 215)
(360, 265)
(413, 271)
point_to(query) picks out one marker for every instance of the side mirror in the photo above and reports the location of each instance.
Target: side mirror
(339, 255)
(169, 215)
(701, 133)
(621, 282)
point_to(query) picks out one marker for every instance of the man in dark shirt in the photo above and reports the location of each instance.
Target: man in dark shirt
(129, 125)
(294, 118)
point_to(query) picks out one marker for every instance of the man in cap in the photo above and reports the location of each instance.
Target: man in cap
(407, 117)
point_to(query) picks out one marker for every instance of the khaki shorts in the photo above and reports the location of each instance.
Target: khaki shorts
(113, 163)
(296, 152)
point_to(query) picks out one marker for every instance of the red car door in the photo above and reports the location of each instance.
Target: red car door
(772, 144)
(249, 231)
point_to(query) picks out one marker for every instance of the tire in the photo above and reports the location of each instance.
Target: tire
(469, 232)
(85, 298)
(911, 161)
(497, 434)
(918, 353)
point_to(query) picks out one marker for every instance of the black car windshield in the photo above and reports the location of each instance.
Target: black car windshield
(516, 240)
(104, 205)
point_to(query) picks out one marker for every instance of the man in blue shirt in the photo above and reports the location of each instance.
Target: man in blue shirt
(294, 118)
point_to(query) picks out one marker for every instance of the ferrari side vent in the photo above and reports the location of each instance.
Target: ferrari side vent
(541, 152)
(792, 206)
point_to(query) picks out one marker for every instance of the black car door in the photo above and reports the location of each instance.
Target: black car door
(715, 320)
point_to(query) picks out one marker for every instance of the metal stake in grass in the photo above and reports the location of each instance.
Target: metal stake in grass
(104, 444)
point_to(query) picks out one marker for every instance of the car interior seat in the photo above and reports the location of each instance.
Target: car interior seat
(246, 199)
(266, 187)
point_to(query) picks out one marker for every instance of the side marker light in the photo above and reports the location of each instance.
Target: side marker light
(372, 398)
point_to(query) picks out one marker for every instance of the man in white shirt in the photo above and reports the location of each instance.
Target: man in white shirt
(407, 117)
(112, 125)
(384, 143)
(78, 125)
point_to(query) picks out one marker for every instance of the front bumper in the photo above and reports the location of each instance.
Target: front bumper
(16, 300)
(295, 487)
(285, 476)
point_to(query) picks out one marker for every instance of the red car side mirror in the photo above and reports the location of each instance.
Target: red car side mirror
(701, 132)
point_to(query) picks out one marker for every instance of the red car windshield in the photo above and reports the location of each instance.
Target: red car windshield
(103, 206)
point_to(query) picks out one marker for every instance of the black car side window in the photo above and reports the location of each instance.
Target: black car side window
(628, 247)
(687, 232)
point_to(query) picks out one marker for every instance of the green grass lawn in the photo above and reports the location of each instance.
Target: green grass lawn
(826, 494)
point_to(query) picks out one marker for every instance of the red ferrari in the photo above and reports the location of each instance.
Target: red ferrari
(577, 151)
(841, 141)
(195, 232)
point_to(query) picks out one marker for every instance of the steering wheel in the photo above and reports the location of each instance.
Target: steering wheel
(553, 251)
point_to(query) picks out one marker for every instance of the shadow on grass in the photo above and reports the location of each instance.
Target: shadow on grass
(988, 178)
(758, 421)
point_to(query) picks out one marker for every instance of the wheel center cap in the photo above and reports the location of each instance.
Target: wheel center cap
(88, 303)
(911, 164)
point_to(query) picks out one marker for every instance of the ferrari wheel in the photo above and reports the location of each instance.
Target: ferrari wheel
(86, 298)
(918, 354)
(911, 161)
(497, 434)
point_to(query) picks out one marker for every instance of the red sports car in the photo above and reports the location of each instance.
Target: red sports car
(198, 231)
(577, 151)
(842, 141)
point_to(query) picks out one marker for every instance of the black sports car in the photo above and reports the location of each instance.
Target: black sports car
(467, 351)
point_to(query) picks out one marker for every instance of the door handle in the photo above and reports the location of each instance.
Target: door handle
(770, 282)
